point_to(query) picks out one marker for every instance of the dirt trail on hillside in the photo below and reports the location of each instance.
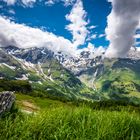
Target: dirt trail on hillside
(28, 107)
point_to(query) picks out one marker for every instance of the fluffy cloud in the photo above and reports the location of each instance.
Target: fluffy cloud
(137, 36)
(92, 27)
(50, 2)
(101, 35)
(28, 3)
(122, 23)
(78, 24)
(94, 36)
(24, 36)
(10, 2)
(91, 37)
(94, 51)
(25, 3)
(66, 2)
(138, 25)
(11, 11)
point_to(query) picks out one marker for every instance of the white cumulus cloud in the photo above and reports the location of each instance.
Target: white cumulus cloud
(28, 3)
(122, 24)
(78, 24)
(10, 2)
(23, 36)
(50, 2)
(25, 3)
(68, 2)
(91, 37)
(94, 51)
(65, 2)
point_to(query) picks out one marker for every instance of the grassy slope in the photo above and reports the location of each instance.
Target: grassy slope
(119, 81)
(41, 103)
(57, 120)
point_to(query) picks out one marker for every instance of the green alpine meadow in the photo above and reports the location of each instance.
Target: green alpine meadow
(69, 69)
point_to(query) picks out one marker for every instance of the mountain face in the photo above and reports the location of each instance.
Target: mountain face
(42, 69)
(88, 69)
(115, 79)
(83, 66)
(56, 73)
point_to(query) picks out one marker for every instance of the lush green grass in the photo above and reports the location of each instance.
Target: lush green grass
(56, 120)
(71, 123)
(42, 103)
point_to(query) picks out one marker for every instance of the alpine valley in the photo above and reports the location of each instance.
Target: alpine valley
(88, 76)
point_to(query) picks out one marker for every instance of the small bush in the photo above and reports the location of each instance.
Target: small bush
(15, 85)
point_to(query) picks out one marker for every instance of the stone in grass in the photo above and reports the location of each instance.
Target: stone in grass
(7, 98)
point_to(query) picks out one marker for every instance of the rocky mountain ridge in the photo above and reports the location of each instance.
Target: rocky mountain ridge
(41, 68)
(63, 75)
(81, 65)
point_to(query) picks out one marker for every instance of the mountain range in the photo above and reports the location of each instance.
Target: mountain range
(86, 76)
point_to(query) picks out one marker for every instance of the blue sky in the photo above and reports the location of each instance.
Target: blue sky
(71, 24)
(52, 17)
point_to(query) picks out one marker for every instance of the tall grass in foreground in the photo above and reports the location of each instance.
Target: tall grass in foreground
(66, 123)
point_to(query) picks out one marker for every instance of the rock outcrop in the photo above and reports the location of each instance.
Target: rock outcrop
(7, 99)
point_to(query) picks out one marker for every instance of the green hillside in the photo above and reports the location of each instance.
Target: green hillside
(55, 105)
(39, 118)
(120, 80)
